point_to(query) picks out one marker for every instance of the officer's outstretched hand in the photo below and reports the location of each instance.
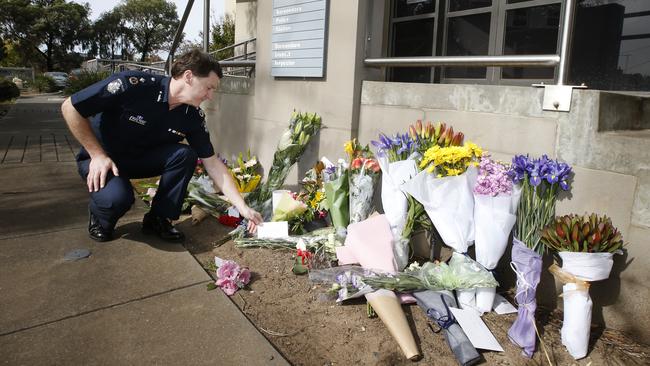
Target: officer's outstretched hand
(98, 170)
(254, 218)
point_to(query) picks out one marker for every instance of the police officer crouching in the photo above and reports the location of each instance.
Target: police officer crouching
(131, 126)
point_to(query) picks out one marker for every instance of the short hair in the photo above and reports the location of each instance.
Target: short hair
(197, 61)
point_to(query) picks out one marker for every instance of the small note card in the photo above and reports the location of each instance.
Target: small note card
(477, 332)
(273, 230)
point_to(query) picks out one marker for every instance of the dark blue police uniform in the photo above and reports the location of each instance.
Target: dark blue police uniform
(133, 123)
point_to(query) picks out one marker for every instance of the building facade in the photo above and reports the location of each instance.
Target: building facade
(603, 134)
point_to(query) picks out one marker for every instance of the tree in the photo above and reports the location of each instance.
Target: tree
(223, 35)
(44, 32)
(111, 35)
(152, 23)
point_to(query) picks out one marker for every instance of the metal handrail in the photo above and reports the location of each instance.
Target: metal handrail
(472, 61)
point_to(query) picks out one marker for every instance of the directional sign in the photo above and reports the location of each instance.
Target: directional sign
(298, 38)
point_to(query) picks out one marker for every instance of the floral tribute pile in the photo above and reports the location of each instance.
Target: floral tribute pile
(433, 181)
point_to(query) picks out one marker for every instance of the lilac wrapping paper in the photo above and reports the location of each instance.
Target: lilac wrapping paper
(527, 264)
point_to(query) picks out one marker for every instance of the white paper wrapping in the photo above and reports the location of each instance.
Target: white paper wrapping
(362, 189)
(485, 298)
(577, 320)
(394, 202)
(494, 217)
(449, 202)
(588, 266)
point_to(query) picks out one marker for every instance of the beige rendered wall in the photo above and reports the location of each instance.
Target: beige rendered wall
(271, 100)
(610, 169)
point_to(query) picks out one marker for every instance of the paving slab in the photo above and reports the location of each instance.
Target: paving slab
(190, 326)
(38, 286)
(46, 197)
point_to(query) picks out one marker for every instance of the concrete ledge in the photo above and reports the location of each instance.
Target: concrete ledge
(183, 327)
(623, 112)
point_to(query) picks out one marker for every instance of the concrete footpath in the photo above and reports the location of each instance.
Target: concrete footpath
(135, 301)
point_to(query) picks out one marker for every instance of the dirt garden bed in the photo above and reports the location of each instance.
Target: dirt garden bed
(308, 328)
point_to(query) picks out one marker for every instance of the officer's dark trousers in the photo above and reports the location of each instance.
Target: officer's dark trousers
(174, 163)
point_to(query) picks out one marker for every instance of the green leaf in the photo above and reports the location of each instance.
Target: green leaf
(211, 286)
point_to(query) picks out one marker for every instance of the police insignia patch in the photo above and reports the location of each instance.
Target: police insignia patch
(133, 80)
(114, 86)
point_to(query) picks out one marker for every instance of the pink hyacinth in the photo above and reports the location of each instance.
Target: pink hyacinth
(229, 287)
(228, 270)
(493, 178)
(231, 277)
(244, 277)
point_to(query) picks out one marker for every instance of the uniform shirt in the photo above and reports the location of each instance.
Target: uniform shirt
(131, 114)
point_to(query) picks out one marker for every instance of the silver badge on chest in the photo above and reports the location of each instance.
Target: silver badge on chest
(114, 86)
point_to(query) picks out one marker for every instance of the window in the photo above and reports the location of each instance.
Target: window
(413, 29)
(610, 46)
(474, 28)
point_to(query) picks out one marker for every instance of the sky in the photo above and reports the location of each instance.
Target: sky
(194, 23)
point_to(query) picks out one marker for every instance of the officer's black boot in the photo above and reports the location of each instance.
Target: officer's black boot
(161, 226)
(96, 231)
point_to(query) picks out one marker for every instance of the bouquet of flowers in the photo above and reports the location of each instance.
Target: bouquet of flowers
(540, 180)
(292, 144)
(230, 276)
(245, 173)
(495, 206)
(586, 245)
(302, 208)
(201, 192)
(321, 241)
(369, 243)
(337, 192)
(444, 187)
(395, 157)
(363, 172)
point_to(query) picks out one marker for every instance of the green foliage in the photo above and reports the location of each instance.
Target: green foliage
(44, 84)
(45, 31)
(152, 23)
(111, 35)
(8, 90)
(84, 80)
(223, 35)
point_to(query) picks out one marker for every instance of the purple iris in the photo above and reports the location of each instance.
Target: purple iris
(384, 142)
(519, 168)
(330, 170)
(406, 144)
(538, 170)
(535, 176)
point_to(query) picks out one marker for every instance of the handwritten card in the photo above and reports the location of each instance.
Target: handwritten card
(273, 230)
